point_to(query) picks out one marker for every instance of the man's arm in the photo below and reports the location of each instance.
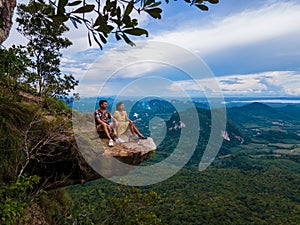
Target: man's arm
(113, 119)
(101, 121)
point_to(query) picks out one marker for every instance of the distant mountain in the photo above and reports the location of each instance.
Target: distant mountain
(257, 109)
(233, 135)
(267, 124)
(292, 110)
(258, 114)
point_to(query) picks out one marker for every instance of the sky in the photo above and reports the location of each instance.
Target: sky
(246, 48)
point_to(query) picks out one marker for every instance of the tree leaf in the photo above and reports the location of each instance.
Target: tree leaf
(213, 1)
(154, 4)
(74, 23)
(89, 38)
(61, 7)
(110, 27)
(202, 7)
(101, 23)
(127, 40)
(103, 39)
(97, 41)
(155, 13)
(74, 3)
(126, 20)
(118, 11)
(148, 2)
(85, 9)
(118, 37)
(128, 9)
(136, 31)
(62, 3)
(59, 18)
(76, 19)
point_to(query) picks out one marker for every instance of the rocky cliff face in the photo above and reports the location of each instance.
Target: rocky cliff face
(6, 13)
(102, 158)
(43, 143)
(74, 165)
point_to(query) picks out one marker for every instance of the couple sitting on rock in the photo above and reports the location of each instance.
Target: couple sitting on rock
(119, 124)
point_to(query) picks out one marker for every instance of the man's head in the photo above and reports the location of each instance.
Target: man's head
(103, 104)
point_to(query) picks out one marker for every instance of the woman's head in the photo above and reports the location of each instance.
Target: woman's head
(120, 106)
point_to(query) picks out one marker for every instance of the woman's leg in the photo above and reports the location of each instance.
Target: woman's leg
(116, 125)
(135, 130)
(132, 129)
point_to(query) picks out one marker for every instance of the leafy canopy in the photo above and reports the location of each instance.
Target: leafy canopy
(110, 17)
(45, 41)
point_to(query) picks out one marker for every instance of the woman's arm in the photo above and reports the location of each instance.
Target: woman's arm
(115, 116)
(127, 118)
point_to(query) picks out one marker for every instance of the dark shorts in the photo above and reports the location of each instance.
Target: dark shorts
(100, 128)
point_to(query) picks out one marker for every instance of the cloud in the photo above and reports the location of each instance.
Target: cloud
(273, 83)
(274, 19)
(248, 27)
(275, 23)
(270, 21)
(120, 69)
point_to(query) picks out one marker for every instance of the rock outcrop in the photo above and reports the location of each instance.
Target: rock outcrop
(82, 155)
(6, 14)
(50, 148)
(101, 157)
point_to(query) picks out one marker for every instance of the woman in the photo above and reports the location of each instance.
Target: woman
(121, 116)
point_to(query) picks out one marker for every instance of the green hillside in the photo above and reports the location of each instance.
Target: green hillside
(214, 196)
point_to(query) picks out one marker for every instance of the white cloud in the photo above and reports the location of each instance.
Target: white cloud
(248, 27)
(274, 20)
(244, 28)
(273, 83)
(148, 58)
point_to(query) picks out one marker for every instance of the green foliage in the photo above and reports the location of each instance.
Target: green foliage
(14, 118)
(112, 17)
(55, 105)
(15, 197)
(13, 69)
(215, 196)
(56, 204)
(276, 136)
(132, 206)
(126, 205)
(43, 49)
(29, 133)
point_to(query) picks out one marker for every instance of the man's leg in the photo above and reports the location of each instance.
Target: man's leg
(107, 131)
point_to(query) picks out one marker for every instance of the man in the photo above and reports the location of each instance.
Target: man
(102, 117)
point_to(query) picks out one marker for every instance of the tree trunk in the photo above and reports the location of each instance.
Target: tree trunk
(6, 13)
